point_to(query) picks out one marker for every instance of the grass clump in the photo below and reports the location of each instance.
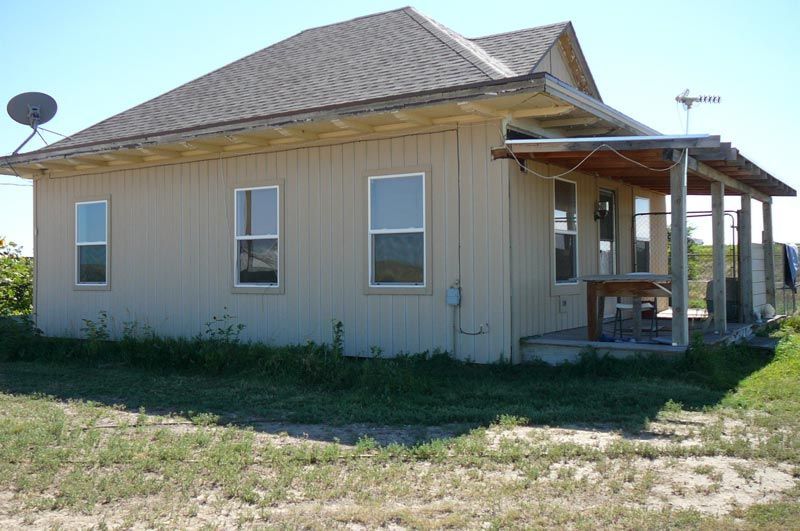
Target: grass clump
(216, 373)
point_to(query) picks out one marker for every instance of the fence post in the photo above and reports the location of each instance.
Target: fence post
(718, 250)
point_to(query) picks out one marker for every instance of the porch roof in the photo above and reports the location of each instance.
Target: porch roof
(645, 161)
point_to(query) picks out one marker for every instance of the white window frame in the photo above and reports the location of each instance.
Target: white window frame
(83, 244)
(371, 232)
(237, 238)
(569, 232)
(615, 242)
(649, 239)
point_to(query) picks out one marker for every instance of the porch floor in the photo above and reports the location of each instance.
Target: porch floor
(567, 345)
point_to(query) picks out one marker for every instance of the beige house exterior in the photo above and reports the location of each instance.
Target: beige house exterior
(171, 231)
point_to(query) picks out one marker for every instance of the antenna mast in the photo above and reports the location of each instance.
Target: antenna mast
(688, 101)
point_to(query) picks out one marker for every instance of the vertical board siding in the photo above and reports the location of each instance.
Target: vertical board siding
(172, 249)
(759, 278)
(535, 307)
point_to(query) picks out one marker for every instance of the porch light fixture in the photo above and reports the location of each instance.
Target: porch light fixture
(601, 211)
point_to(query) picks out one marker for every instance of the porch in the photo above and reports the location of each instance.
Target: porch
(567, 345)
(729, 308)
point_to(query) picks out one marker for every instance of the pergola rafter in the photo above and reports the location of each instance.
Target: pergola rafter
(679, 166)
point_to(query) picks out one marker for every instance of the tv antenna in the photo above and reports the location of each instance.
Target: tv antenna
(32, 109)
(688, 101)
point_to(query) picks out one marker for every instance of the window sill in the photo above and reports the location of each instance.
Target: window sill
(398, 290)
(91, 287)
(259, 290)
(556, 290)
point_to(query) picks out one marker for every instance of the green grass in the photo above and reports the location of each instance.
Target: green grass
(313, 383)
(69, 449)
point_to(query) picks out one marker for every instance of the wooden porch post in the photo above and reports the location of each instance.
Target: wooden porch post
(679, 265)
(745, 261)
(718, 250)
(769, 256)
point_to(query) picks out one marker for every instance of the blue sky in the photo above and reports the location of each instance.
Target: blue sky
(98, 58)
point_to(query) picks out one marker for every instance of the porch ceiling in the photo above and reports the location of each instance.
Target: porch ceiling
(645, 162)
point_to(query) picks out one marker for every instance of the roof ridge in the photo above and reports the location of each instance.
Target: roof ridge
(563, 23)
(470, 51)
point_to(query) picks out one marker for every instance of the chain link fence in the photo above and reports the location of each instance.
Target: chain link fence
(651, 253)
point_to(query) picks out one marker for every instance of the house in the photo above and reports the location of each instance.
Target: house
(386, 172)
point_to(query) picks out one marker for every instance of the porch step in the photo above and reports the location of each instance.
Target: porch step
(763, 343)
(555, 351)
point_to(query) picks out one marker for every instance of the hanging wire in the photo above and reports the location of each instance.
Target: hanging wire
(12, 168)
(595, 150)
(17, 184)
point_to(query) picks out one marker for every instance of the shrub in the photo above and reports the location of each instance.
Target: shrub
(16, 280)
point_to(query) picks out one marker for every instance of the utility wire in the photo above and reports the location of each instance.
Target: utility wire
(595, 150)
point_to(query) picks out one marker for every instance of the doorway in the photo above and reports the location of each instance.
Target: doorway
(607, 262)
(607, 251)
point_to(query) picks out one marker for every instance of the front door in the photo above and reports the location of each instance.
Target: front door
(607, 259)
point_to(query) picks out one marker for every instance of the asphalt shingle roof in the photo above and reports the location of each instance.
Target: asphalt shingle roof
(374, 57)
(522, 50)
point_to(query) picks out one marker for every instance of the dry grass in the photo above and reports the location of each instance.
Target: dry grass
(74, 463)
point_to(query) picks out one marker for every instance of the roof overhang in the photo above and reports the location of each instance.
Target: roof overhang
(645, 161)
(537, 104)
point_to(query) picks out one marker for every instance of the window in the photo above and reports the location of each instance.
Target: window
(397, 230)
(608, 234)
(256, 236)
(642, 235)
(91, 243)
(565, 228)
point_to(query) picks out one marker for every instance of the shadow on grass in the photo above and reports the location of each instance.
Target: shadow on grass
(404, 400)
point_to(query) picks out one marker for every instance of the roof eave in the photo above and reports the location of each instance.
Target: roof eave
(489, 88)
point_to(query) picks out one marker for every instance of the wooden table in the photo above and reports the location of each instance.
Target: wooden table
(636, 285)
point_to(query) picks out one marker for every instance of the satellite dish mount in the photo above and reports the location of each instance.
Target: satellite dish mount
(32, 109)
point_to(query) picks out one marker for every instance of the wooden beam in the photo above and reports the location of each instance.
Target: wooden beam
(121, 159)
(712, 174)
(595, 131)
(84, 162)
(158, 152)
(679, 265)
(718, 256)
(352, 125)
(249, 139)
(196, 145)
(568, 122)
(412, 118)
(745, 261)
(725, 152)
(471, 107)
(621, 144)
(542, 112)
(66, 164)
(293, 134)
(768, 243)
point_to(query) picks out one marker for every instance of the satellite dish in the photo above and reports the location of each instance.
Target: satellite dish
(32, 109)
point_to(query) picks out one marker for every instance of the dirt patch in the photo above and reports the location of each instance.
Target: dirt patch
(715, 485)
(282, 433)
(686, 429)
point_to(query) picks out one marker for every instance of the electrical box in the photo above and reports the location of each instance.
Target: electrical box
(453, 296)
